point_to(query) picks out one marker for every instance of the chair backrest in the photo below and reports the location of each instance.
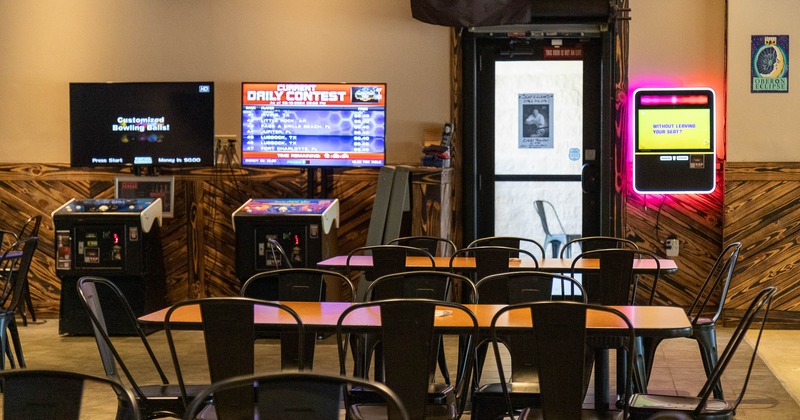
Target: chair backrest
(715, 287)
(588, 243)
(297, 395)
(278, 257)
(542, 208)
(92, 300)
(510, 242)
(294, 284)
(388, 259)
(756, 313)
(436, 285)
(433, 244)
(47, 394)
(521, 287)
(14, 272)
(617, 281)
(528, 286)
(407, 332)
(559, 350)
(229, 333)
(30, 228)
(491, 259)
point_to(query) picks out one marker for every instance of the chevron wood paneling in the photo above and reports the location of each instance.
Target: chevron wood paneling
(762, 211)
(198, 241)
(696, 220)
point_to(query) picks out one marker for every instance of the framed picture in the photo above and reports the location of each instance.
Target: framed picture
(162, 187)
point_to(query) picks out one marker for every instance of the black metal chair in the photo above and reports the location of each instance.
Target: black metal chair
(617, 283)
(433, 244)
(705, 311)
(552, 238)
(386, 259)
(435, 285)
(229, 331)
(510, 242)
(703, 406)
(29, 229)
(153, 399)
(409, 345)
(47, 394)
(299, 395)
(294, 285)
(588, 243)
(488, 400)
(491, 259)
(13, 277)
(558, 352)
(279, 258)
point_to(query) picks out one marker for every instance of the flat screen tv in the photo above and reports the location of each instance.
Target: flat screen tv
(314, 124)
(159, 124)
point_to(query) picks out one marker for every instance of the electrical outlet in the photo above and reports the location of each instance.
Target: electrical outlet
(672, 246)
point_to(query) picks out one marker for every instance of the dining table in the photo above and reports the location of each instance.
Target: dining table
(648, 321)
(554, 265)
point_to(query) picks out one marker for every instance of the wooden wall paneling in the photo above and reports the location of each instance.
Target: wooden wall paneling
(198, 241)
(696, 220)
(761, 211)
(431, 190)
(28, 190)
(220, 199)
(355, 190)
(174, 239)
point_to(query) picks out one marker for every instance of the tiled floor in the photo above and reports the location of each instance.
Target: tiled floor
(677, 370)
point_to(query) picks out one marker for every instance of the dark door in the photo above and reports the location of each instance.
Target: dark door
(533, 130)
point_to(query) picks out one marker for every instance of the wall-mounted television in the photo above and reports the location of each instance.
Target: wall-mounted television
(158, 124)
(674, 141)
(314, 124)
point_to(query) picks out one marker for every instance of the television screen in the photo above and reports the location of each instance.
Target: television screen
(314, 124)
(149, 124)
(674, 129)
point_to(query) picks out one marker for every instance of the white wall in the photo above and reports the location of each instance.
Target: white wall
(680, 43)
(45, 44)
(762, 127)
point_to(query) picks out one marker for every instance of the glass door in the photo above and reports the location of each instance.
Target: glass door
(538, 131)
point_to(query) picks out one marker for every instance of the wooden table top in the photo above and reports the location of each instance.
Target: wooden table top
(651, 321)
(466, 263)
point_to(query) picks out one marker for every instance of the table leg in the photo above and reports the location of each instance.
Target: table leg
(601, 387)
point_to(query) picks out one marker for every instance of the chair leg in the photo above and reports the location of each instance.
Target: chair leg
(28, 303)
(707, 341)
(4, 342)
(442, 361)
(647, 351)
(14, 334)
(10, 355)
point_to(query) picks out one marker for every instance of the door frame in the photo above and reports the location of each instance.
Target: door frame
(609, 220)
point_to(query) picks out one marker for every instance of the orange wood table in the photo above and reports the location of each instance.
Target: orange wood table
(556, 265)
(648, 321)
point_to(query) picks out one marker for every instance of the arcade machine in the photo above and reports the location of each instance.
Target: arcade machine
(118, 239)
(305, 229)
